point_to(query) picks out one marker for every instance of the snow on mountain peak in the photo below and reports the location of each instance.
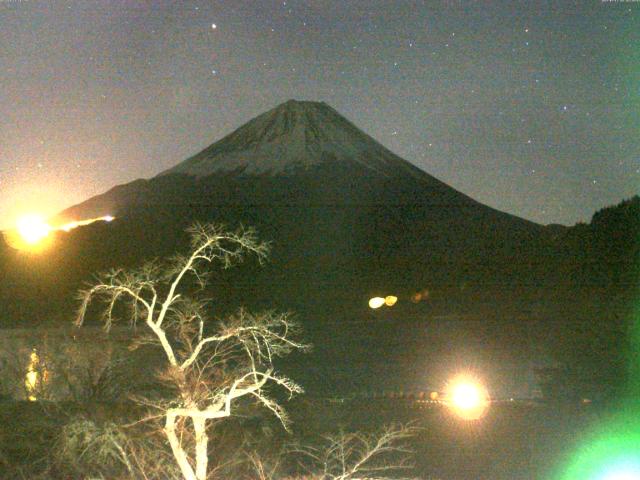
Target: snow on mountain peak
(293, 135)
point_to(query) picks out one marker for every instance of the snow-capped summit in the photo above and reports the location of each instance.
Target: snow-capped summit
(294, 135)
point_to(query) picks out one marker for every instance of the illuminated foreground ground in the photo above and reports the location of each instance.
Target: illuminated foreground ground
(511, 442)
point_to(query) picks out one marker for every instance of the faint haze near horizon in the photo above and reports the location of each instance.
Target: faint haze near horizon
(529, 107)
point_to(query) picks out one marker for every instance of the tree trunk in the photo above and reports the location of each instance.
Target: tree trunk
(202, 440)
(178, 452)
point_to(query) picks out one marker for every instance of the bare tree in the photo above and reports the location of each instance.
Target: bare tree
(344, 456)
(357, 455)
(208, 367)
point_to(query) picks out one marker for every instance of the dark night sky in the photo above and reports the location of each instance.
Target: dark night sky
(531, 107)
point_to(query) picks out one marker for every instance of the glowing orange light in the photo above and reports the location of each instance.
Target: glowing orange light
(32, 229)
(467, 398)
(33, 233)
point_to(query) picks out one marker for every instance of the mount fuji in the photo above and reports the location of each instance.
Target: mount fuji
(299, 153)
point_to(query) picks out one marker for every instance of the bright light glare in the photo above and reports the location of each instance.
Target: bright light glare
(32, 232)
(622, 476)
(67, 227)
(467, 398)
(376, 302)
(33, 229)
(390, 300)
(624, 471)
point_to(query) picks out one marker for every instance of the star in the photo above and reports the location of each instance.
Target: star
(214, 26)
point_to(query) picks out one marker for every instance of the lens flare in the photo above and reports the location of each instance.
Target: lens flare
(467, 398)
(621, 472)
(612, 454)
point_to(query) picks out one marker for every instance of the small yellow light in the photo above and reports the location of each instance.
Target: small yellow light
(390, 300)
(32, 377)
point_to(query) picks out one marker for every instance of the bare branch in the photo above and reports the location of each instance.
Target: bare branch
(353, 456)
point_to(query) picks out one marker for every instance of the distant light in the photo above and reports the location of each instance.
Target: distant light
(33, 233)
(67, 227)
(213, 26)
(32, 377)
(376, 302)
(467, 398)
(33, 229)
